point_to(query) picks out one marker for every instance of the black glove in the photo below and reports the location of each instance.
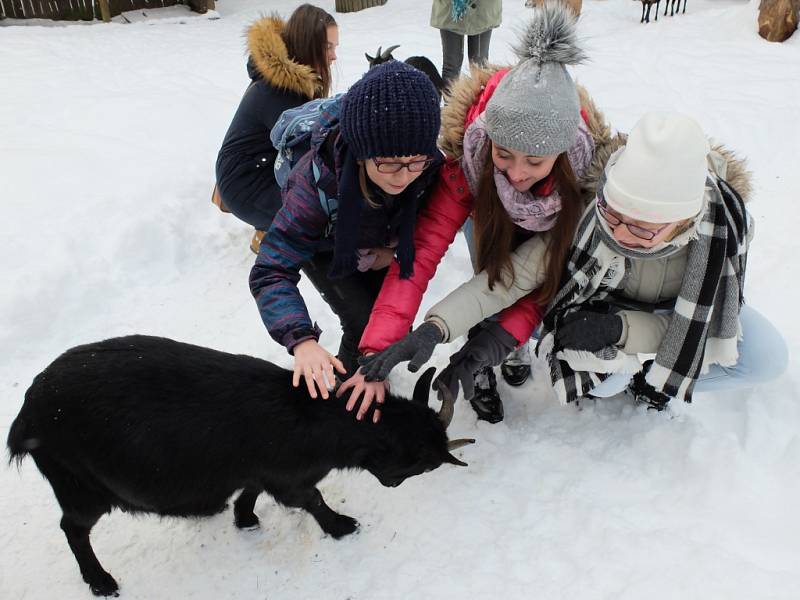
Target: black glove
(487, 348)
(646, 393)
(416, 348)
(587, 330)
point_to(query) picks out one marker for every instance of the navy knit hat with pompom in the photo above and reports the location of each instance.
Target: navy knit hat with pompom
(393, 110)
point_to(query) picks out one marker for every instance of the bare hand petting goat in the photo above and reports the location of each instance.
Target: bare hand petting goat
(315, 365)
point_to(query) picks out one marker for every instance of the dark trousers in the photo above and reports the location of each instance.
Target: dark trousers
(250, 193)
(350, 298)
(453, 52)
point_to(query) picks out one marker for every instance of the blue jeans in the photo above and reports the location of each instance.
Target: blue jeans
(763, 356)
(469, 236)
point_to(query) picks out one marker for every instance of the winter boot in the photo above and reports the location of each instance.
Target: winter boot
(486, 401)
(516, 368)
(255, 243)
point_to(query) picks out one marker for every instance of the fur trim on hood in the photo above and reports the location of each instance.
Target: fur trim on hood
(465, 91)
(270, 57)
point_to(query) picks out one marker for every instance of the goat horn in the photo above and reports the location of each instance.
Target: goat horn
(423, 386)
(369, 58)
(387, 54)
(454, 461)
(448, 405)
(460, 443)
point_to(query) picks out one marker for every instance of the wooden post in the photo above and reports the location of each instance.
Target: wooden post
(105, 11)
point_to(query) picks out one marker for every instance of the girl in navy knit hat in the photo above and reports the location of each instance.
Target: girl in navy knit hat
(376, 164)
(521, 145)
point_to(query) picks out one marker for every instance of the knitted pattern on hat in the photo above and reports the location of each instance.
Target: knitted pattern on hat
(393, 110)
(535, 108)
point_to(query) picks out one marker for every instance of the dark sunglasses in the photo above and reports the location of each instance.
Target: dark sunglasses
(395, 167)
(613, 219)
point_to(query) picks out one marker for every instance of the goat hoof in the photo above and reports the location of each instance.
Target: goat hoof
(341, 526)
(104, 585)
(248, 522)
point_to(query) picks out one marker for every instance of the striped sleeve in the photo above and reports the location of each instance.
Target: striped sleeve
(292, 240)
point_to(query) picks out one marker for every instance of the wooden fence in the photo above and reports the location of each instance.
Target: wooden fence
(86, 10)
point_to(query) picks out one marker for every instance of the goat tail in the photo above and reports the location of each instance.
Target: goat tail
(21, 440)
(550, 36)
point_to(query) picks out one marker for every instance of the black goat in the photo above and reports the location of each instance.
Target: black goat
(151, 425)
(647, 4)
(672, 10)
(421, 63)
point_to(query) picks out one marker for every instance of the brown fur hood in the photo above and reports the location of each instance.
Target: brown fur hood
(269, 56)
(465, 91)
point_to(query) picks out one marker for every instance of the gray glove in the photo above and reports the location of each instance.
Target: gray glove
(489, 345)
(416, 348)
(587, 330)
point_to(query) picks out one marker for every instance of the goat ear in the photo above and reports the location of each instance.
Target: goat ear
(423, 386)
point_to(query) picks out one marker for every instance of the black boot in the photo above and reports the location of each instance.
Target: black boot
(516, 368)
(486, 401)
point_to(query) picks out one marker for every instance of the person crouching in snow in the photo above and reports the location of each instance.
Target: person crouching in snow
(289, 64)
(520, 145)
(378, 164)
(653, 298)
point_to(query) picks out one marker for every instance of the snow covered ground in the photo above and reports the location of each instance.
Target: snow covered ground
(108, 136)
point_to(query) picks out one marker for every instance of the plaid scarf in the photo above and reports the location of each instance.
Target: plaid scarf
(706, 310)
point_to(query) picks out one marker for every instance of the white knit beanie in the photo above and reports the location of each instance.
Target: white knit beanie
(660, 175)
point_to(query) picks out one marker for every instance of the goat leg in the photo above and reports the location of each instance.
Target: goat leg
(243, 515)
(77, 529)
(311, 501)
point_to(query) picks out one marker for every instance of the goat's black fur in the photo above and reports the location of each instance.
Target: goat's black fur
(151, 425)
(421, 63)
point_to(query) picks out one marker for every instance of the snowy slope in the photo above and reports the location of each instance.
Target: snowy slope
(108, 136)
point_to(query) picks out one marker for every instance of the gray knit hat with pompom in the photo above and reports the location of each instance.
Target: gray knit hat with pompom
(535, 108)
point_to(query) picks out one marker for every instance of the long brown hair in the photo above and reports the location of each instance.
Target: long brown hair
(306, 37)
(494, 230)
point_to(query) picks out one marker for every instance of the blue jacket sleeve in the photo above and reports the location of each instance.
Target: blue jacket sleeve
(293, 238)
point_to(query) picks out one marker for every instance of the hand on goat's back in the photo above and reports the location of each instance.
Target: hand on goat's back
(315, 364)
(369, 391)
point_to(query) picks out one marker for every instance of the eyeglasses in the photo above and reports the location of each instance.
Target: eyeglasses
(395, 167)
(613, 219)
